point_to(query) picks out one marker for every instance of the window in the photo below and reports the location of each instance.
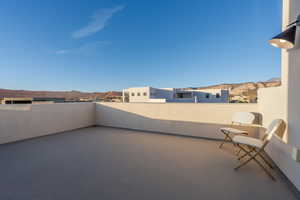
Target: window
(183, 95)
(145, 93)
(207, 96)
(180, 96)
(139, 94)
(132, 94)
(218, 95)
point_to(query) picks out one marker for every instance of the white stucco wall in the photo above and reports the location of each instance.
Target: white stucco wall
(285, 102)
(291, 73)
(271, 105)
(202, 120)
(138, 90)
(18, 122)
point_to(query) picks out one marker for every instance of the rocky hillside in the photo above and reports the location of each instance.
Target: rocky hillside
(248, 90)
(239, 88)
(68, 95)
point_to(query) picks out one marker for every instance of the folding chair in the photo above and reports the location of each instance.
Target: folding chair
(239, 118)
(255, 148)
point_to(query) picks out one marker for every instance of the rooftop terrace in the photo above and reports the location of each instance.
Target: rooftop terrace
(65, 150)
(112, 163)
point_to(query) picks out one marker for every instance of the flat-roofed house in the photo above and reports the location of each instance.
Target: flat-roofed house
(30, 100)
(162, 95)
(16, 100)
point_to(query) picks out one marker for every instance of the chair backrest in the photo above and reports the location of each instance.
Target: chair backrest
(275, 127)
(243, 118)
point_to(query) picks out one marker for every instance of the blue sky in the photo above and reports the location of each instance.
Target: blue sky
(105, 45)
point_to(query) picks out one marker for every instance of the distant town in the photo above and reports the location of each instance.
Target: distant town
(222, 93)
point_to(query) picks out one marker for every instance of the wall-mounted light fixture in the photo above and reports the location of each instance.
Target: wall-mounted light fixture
(286, 39)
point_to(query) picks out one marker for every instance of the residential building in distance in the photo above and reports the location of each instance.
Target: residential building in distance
(40, 100)
(86, 99)
(163, 95)
(15, 100)
(29, 100)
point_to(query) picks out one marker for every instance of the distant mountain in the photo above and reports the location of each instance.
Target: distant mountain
(247, 91)
(274, 79)
(68, 95)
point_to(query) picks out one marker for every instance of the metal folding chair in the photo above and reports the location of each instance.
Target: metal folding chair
(254, 148)
(239, 118)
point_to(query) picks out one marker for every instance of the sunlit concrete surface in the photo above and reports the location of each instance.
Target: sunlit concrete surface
(110, 163)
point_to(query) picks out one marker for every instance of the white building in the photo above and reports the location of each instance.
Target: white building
(149, 94)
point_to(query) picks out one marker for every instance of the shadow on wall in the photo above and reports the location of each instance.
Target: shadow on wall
(113, 117)
(15, 107)
(258, 118)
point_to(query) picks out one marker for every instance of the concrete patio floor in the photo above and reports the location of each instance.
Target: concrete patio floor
(110, 163)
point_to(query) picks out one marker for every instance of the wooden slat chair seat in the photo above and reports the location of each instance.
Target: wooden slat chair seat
(239, 118)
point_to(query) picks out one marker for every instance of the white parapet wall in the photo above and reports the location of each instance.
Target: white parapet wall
(284, 102)
(271, 105)
(204, 120)
(19, 122)
(200, 120)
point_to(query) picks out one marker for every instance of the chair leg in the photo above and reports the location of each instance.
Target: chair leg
(225, 139)
(230, 139)
(247, 153)
(242, 156)
(252, 157)
(267, 172)
(238, 153)
(266, 161)
(248, 160)
(222, 143)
